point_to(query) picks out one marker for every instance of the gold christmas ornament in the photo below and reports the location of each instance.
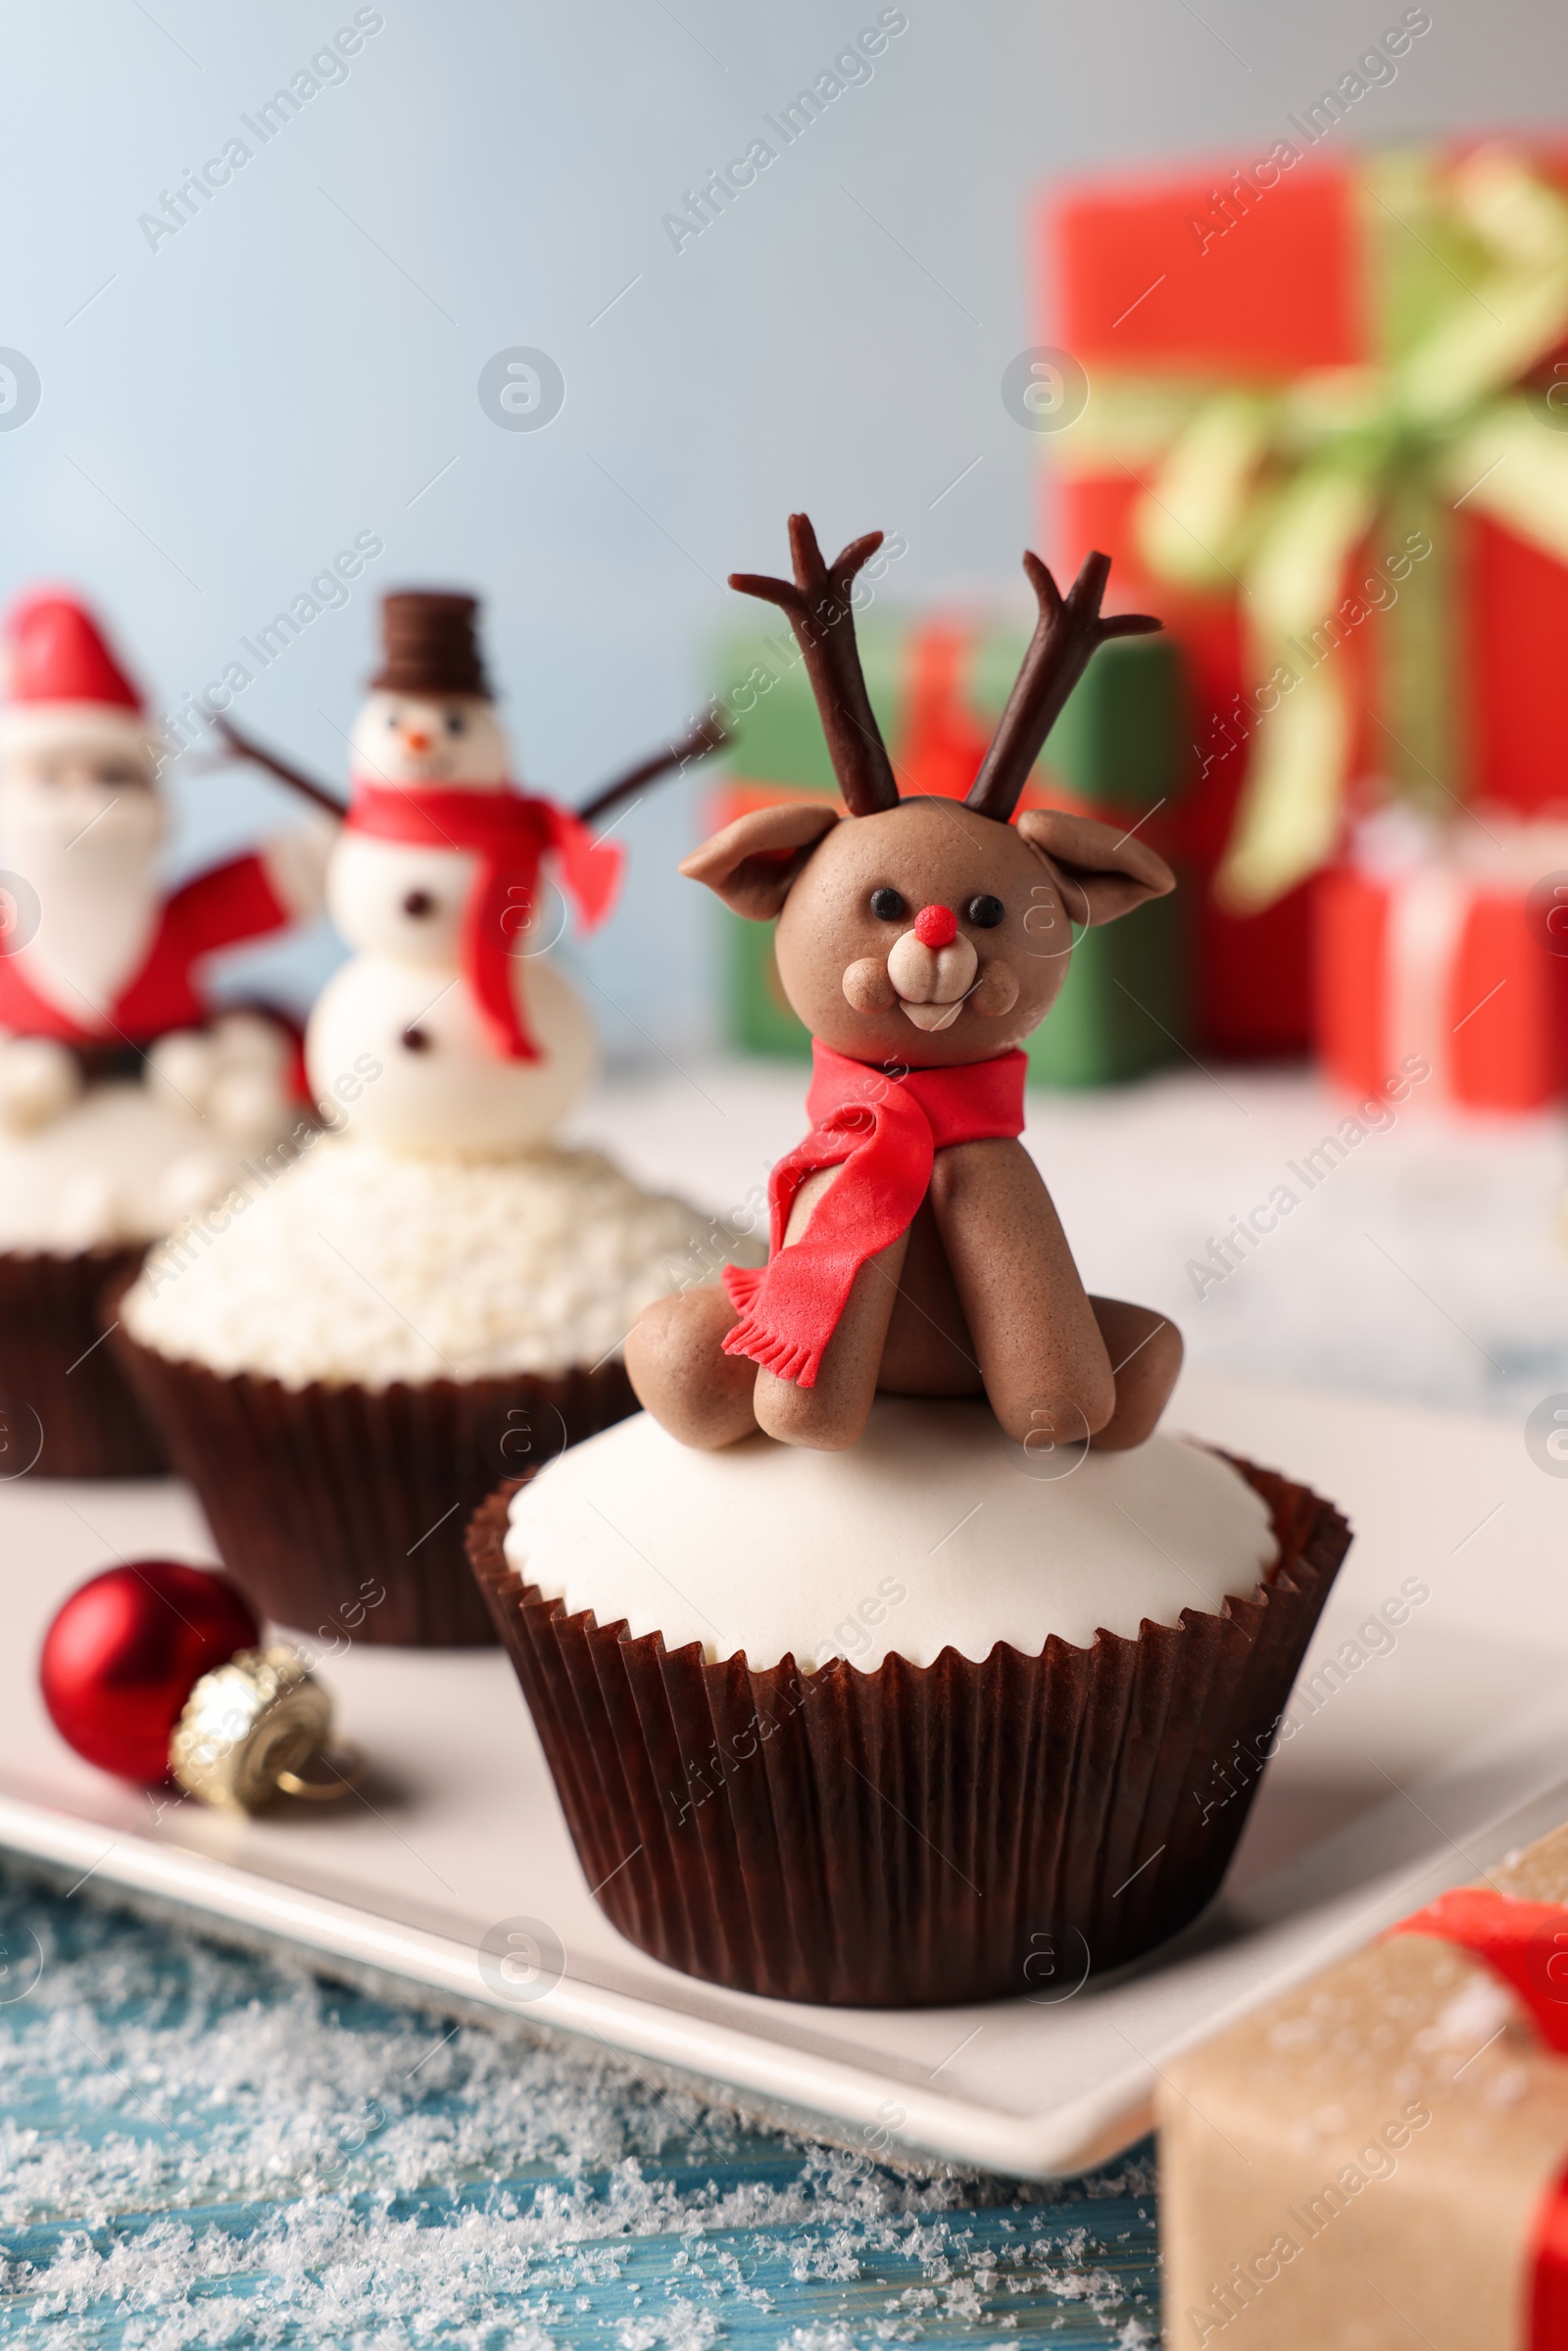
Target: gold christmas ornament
(254, 1727)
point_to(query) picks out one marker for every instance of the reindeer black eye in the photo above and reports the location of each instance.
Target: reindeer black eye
(889, 906)
(985, 912)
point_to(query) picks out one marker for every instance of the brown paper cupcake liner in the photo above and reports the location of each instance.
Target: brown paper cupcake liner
(341, 1509)
(920, 1835)
(66, 1408)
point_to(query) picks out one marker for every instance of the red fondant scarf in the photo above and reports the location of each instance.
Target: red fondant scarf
(512, 831)
(883, 1130)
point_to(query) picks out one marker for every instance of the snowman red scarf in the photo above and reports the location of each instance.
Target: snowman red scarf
(512, 832)
(883, 1130)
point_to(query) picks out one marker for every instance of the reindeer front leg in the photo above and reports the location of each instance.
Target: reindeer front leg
(832, 1414)
(1038, 1344)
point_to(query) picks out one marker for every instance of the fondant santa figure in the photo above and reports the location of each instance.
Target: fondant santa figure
(97, 961)
(441, 883)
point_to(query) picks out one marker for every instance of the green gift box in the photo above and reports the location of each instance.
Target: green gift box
(1118, 752)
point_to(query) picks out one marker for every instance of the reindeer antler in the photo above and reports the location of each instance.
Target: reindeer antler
(818, 608)
(1065, 636)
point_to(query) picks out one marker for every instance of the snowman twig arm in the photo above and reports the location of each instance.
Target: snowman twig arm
(245, 747)
(708, 735)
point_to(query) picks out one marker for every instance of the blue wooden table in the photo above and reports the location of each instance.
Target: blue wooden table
(198, 2148)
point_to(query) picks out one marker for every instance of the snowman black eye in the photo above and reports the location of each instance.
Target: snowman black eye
(985, 912)
(889, 906)
(456, 724)
(392, 719)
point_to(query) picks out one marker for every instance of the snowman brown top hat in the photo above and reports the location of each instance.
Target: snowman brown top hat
(431, 644)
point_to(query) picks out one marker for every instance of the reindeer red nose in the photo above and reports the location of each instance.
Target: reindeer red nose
(936, 927)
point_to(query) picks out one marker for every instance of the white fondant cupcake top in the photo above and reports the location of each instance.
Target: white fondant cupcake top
(359, 1266)
(933, 1531)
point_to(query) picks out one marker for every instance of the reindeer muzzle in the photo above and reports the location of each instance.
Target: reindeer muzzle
(932, 981)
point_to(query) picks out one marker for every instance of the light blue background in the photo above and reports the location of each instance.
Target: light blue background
(302, 359)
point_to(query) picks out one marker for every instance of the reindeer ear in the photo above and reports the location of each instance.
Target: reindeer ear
(754, 862)
(1111, 871)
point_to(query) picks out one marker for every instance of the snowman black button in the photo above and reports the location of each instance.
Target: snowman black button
(418, 903)
(417, 1041)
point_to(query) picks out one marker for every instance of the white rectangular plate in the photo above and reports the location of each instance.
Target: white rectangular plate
(1412, 1767)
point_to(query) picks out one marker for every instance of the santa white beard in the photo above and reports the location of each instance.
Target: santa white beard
(90, 856)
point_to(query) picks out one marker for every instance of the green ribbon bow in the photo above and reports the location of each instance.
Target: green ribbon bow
(1272, 491)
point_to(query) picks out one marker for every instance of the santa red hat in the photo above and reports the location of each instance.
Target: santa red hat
(63, 682)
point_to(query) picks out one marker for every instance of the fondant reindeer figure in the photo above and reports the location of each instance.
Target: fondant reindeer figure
(915, 1248)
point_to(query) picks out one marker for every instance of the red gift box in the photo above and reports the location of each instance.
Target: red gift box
(1456, 951)
(1260, 277)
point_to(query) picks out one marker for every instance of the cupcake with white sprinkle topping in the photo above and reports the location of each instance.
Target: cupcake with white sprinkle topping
(377, 1323)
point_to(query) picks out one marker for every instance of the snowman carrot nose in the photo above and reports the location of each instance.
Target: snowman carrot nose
(417, 739)
(936, 927)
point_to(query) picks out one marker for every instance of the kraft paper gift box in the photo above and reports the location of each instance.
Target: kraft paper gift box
(1284, 379)
(1379, 2158)
(1117, 752)
(1450, 945)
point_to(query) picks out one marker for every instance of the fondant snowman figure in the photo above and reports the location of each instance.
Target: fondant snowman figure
(478, 1043)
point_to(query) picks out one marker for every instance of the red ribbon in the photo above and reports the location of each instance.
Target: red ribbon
(942, 742)
(1525, 1945)
(884, 1129)
(512, 831)
(1548, 2293)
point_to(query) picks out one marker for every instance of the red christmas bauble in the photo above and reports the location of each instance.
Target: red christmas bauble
(125, 1651)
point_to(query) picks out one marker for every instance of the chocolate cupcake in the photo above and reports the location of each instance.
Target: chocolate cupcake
(126, 1098)
(911, 1723)
(344, 1361)
(93, 1167)
(66, 1408)
(850, 1698)
(345, 1358)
